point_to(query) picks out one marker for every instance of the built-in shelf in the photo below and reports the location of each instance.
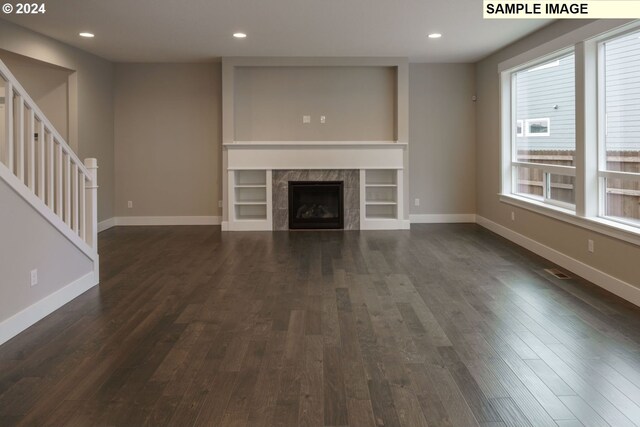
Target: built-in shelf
(247, 217)
(390, 216)
(251, 178)
(381, 177)
(250, 195)
(250, 212)
(381, 212)
(381, 194)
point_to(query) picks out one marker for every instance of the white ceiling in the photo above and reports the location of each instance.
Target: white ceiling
(195, 30)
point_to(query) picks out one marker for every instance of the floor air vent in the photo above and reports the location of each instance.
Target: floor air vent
(559, 274)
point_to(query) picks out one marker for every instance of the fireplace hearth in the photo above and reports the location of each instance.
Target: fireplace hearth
(316, 205)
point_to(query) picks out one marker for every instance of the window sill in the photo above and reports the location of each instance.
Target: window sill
(604, 226)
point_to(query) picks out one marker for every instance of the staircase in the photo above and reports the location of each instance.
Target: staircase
(39, 165)
(48, 198)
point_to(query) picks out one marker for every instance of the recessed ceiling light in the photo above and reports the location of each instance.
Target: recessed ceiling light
(239, 35)
(87, 35)
(435, 35)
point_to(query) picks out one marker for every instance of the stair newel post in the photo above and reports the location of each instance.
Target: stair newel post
(91, 203)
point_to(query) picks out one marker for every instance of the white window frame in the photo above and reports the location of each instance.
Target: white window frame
(547, 170)
(587, 171)
(603, 172)
(527, 127)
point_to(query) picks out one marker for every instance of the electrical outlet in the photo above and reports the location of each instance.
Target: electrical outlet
(323, 119)
(416, 202)
(130, 204)
(591, 246)
(34, 277)
(306, 119)
(219, 203)
(513, 216)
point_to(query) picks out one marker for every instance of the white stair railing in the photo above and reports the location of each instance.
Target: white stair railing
(33, 151)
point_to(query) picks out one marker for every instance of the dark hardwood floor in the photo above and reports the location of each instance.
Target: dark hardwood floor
(445, 325)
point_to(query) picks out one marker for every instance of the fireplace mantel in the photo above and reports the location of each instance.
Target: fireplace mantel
(315, 155)
(360, 144)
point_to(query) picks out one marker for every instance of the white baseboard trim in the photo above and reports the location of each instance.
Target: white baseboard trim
(441, 218)
(22, 320)
(106, 224)
(158, 220)
(615, 286)
(224, 226)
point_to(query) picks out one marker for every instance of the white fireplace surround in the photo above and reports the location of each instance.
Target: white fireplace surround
(250, 166)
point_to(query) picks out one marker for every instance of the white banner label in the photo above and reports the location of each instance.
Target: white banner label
(561, 9)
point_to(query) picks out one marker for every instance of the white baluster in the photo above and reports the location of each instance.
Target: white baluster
(51, 158)
(74, 197)
(19, 132)
(42, 156)
(67, 188)
(58, 176)
(8, 122)
(31, 151)
(91, 203)
(82, 207)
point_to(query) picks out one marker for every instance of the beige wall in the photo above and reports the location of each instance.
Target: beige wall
(612, 256)
(30, 242)
(167, 156)
(46, 84)
(442, 138)
(94, 113)
(358, 102)
(168, 133)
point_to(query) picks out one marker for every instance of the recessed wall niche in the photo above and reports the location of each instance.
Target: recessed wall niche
(359, 103)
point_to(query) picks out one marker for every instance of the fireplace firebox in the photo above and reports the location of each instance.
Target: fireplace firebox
(316, 204)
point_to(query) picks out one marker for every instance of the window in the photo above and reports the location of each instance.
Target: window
(619, 162)
(579, 165)
(543, 156)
